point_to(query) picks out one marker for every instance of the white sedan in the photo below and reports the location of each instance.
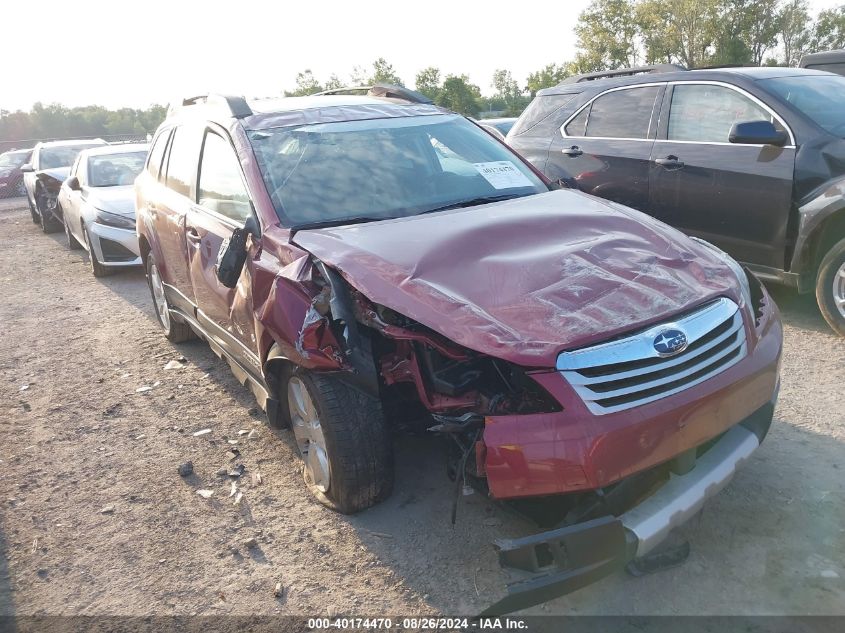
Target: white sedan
(97, 202)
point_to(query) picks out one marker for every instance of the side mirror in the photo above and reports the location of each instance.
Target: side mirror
(73, 184)
(232, 254)
(757, 133)
(27, 168)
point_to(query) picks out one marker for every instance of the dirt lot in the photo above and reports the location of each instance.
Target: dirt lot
(96, 520)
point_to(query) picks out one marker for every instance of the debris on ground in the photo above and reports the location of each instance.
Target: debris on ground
(251, 543)
(223, 472)
(23, 388)
(278, 590)
(175, 364)
(231, 441)
(256, 478)
(237, 471)
(143, 389)
(186, 469)
(202, 432)
(243, 431)
(253, 435)
(233, 490)
(205, 494)
(107, 509)
(141, 436)
(232, 454)
(238, 498)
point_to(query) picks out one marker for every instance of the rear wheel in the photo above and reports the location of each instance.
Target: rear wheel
(96, 267)
(830, 287)
(174, 331)
(343, 439)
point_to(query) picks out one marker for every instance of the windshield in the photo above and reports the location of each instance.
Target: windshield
(13, 159)
(112, 170)
(820, 97)
(61, 156)
(385, 168)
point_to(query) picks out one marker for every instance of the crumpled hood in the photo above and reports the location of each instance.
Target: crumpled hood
(527, 278)
(119, 200)
(56, 173)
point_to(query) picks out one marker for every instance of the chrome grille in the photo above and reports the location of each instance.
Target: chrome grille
(629, 372)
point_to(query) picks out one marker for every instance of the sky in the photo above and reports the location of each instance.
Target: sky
(122, 54)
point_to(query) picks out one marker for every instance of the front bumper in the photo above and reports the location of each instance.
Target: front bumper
(113, 246)
(557, 562)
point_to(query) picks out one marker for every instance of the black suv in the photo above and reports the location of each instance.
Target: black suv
(750, 159)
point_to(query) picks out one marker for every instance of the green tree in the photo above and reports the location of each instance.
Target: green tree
(678, 31)
(306, 84)
(459, 95)
(607, 36)
(427, 82)
(546, 77)
(383, 73)
(508, 93)
(829, 32)
(333, 83)
(795, 30)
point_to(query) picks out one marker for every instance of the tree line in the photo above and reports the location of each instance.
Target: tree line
(610, 34)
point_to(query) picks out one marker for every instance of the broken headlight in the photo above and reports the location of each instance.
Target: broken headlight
(114, 219)
(742, 276)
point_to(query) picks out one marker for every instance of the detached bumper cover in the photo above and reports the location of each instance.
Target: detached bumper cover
(554, 563)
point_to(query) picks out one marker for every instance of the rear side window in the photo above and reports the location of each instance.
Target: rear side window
(705, 113)
(622, 113)
(221, 188)
(157, 154)
(540, 109)
(182, 161)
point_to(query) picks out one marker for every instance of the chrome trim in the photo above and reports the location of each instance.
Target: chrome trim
(677, 83)
(682, 496)
(596, 389)
(601, 94)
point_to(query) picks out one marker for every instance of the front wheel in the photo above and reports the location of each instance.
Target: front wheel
(72, 243)
(96, 267)
(830, 287)
(174, 331)
(343, 439)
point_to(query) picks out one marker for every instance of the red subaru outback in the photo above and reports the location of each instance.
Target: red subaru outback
(370, 262)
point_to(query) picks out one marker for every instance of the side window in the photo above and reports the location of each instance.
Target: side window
(182, 161)
(221, 188)
(79, 170)
(157, 154)
(578, 125)
(706, 113)
(622, 113)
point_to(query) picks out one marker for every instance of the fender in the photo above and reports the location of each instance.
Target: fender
(824, 209)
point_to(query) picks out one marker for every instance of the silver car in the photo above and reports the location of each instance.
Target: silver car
(97, 202)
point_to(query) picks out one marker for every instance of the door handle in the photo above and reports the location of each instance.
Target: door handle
(670, 162)
(573, 151)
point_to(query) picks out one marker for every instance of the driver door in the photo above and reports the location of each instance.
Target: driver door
(222, 205)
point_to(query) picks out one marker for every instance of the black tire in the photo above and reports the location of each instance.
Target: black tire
(96, 267)
(358, 445)
(48, 224)
(72, 243)
(831, 270)
(174, 331)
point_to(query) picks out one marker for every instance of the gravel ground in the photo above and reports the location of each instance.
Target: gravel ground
(96, 520)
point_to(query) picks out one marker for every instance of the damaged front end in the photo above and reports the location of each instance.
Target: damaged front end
(47, 193)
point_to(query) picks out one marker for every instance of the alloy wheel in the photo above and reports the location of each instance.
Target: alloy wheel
(158, 295)
(309, 434)
(839, 290)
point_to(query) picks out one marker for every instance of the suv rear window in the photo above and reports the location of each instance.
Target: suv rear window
(539, 110)
(619, 114)
(157, 154)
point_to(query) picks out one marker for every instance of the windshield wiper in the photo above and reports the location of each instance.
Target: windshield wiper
(324, 224)
(472, 202)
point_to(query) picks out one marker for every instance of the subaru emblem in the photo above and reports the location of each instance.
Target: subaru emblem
(670, 341)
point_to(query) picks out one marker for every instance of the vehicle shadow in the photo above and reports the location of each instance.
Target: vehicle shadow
(799, 310)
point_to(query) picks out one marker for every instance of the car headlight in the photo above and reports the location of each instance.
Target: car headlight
(739, 272)
(115, 220)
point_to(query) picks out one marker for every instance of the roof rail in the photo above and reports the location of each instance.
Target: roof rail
(235, 106)
(389, 91)
(624, 72)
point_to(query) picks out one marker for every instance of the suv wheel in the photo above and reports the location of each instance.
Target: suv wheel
(830, 287)
(174, 331)
(344, 443)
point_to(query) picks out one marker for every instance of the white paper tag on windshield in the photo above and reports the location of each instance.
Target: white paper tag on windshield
(502, 174)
